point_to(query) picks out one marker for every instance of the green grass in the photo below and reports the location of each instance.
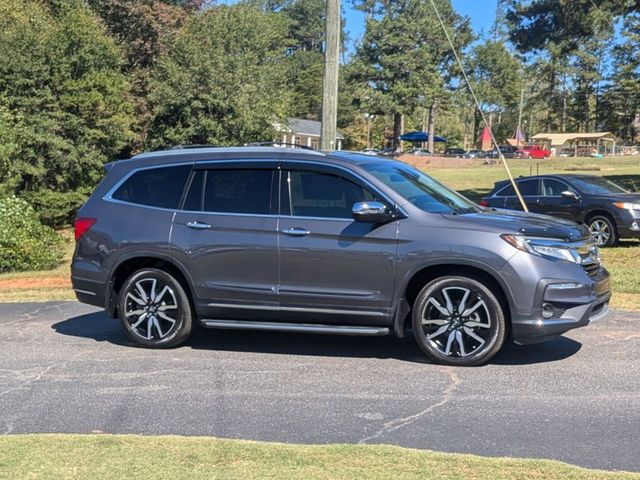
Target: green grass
(100, 457)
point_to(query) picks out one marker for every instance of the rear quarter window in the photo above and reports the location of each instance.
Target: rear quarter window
(160, 187)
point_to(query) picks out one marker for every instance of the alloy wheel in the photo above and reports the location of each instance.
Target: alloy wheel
(600, 231)
(456, 321)
(151, 309)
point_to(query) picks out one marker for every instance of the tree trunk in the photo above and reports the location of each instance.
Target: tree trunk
(397, 128)
(432, 126)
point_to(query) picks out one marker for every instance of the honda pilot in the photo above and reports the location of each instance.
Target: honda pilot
(279, 239)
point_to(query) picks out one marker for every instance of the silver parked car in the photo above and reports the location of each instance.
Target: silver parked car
(290, 240)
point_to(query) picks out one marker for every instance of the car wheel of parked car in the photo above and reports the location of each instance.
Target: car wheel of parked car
(154, 309)
(603, 231)
(458, 321)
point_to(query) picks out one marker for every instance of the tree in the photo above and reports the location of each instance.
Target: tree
(221, 82)
(621, 100)
(63, 98)
(404, 57)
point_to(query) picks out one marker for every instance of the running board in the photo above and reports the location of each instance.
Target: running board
(294, 327)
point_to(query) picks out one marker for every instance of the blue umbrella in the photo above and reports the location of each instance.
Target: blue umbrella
(420, 137)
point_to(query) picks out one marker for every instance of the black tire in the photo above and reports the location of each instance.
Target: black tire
(152, 327)
(449, 334)
(603, 230)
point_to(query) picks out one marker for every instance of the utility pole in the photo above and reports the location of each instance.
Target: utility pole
(330, 82)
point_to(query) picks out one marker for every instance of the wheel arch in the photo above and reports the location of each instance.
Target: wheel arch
(127, 265)
(419, 277)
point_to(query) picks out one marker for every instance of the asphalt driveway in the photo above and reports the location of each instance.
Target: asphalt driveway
(65, 367)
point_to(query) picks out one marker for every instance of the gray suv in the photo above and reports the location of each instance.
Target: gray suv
(279, 239)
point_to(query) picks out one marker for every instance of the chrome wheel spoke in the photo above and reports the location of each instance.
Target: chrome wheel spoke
(135, 312)
(450, 340)
(438, 332)
(141, 292)
(440, 308)
(435, 322)
(473, 335)
(447, 299)
(140, 320)
(136, 299)
(149, 325)
(460, 343)
(156, 324)
(463, 302)
(164, 308)
(166, 317)
(473, 323)
(152, 291)
(469, 311)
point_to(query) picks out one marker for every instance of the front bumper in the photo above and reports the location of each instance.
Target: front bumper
(562, 306)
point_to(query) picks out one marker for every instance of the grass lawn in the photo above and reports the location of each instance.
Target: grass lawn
(134, 457)
(473, 179)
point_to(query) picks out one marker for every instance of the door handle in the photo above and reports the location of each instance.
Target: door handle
(296, 232)
(199, 225)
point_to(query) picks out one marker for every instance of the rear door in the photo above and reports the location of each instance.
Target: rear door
(226, 237)
(332, 268)
(530, 191)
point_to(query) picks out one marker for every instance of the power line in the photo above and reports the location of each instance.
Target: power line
(477, 102)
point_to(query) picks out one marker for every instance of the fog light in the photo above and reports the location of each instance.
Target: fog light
(547, 310)
(635, 226)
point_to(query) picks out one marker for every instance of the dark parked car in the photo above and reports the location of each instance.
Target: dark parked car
(508, 151)
(610, 211)
(475, 154)
(419, 152)
(292, 240)
(455, 152)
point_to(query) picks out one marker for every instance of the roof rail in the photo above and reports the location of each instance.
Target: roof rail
(185, 147)
(278, 144)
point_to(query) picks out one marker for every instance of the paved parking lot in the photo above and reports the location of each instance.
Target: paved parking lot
(65, 367)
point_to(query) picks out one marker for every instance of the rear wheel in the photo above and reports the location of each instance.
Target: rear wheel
(456, 320)
(154, 309)
(603, 231)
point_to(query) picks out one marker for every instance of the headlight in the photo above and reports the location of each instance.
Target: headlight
(543, 247)
(627, 205)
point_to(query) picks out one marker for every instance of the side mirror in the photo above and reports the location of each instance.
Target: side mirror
(569, 194)
(370, 212)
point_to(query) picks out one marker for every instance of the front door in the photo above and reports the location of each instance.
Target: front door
(530, 191)
(553, 203)
(332, 268)
(226, 237)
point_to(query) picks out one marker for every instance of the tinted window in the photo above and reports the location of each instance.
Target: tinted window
(529, 187)
(157, 187)
(314, 194)
(553, 188)
(421, 190)
(237, 191)
(508, 191)
(597, 186)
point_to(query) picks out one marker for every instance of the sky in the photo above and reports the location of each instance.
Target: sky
(481, 12)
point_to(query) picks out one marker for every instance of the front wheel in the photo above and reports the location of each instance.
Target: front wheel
(458, 321)
(154, 309)
(603, 231)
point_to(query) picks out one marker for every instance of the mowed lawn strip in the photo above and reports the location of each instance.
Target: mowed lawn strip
(168, 457)
(473, 179)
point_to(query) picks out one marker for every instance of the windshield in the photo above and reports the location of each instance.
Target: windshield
(421, 190)
(597, 186)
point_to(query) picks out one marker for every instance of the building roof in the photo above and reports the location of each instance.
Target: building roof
(558, 139)
(311, 128)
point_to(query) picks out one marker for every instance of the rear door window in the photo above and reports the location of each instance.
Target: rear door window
(244, 191)
(160, 187)
(529, 188)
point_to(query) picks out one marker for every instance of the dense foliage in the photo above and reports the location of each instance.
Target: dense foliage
(87, 81)
(26, 244)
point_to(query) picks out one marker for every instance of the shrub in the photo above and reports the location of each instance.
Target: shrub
(26, 244)
(56, 209)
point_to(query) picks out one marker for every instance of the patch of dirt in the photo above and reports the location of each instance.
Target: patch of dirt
(35, 283)
(436, 162)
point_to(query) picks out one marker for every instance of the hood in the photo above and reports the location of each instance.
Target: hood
(530, 224)
(616, 197)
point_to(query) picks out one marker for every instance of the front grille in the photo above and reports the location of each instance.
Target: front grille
(591, 269)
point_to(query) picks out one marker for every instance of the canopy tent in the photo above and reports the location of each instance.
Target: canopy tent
(420, 137)
(485, 139)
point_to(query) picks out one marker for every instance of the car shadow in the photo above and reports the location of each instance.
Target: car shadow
(98, 327)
